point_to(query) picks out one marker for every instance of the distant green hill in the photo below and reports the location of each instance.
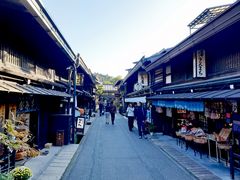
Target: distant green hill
(106, 79)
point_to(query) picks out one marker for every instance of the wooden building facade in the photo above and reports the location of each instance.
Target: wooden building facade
(34, 80)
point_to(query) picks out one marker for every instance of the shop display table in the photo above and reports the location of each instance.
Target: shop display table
(180, 138)
(221, 142)
(211, 137)
(188, 140)
(199, 143)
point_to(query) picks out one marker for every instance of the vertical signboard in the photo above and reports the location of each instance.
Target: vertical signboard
(80, 125)
(199, 64)
(143, 78)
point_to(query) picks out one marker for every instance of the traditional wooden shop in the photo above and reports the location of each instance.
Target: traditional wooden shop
(34, 58)
(199, 83)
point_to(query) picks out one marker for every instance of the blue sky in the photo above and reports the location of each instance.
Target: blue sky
(111, 34)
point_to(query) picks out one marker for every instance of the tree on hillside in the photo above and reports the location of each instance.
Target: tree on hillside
(106, 79)
(115, 79)
(99, 90)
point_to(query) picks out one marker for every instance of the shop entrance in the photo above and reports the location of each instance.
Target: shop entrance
(33, 127)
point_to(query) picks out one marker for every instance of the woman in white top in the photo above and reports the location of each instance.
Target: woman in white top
(130, 115)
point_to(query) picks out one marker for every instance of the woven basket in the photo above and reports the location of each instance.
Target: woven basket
(200, 140)
(189, 137)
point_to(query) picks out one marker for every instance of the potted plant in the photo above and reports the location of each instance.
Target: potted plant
(151, 128)
(15, 140)
(21, 173)
(6, 176)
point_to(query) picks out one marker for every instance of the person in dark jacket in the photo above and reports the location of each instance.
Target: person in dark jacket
(112, 111)
(140, 116)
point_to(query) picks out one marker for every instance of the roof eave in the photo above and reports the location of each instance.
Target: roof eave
(214, 26)
(42, 17)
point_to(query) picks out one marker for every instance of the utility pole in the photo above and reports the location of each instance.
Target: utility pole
(74, 66)
(74, 103)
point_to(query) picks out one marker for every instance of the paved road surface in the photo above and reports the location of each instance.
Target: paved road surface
(111, 152)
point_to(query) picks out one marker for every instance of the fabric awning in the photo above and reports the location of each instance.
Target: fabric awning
(7, 86)
(136, 99)
(197, 106)
(195, 102)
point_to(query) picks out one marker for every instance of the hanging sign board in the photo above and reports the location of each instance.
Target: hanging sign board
(199, 64)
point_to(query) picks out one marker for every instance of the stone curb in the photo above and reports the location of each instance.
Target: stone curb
(74, 158)
(185, 162)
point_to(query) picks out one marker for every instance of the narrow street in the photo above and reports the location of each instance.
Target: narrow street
(112, 152)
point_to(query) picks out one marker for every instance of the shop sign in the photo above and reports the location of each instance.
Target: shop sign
(80, 125)
(27, 104)
(199, 64)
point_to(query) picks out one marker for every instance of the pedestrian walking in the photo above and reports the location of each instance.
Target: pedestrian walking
(113, 110)
(130, 115)
(107, 113)
(149, 114)
(140, 116)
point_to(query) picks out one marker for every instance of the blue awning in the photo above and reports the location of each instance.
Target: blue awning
(197, 106)
(217, 94)
(192, 101)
